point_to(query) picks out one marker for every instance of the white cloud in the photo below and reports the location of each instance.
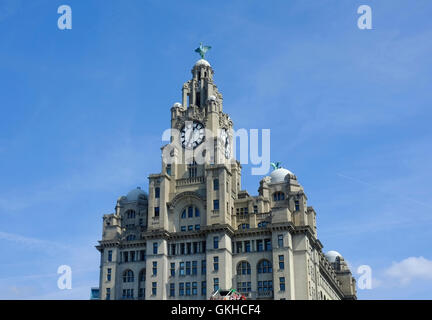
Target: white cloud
(411, 268)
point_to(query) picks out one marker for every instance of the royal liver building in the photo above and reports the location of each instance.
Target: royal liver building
(196, 230)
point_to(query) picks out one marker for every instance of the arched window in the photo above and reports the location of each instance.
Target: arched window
(243, 267)
(265, 266)
(131, 237)
(244, 226)
(262, 224)
(278, 196)
(130, 214)
(142, 275)
(128, 276)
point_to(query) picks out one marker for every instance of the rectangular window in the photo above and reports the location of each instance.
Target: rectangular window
(282, 283)
(108, 294)
(197, 213)
(194, 288)
(172, 289)
(203, 288)
(126, 256)
(168, 169)
(268, 245)
(215, 263)
(155, 248)
(154, 268)
(195, 247)
(188, 268)
(182, 269)
(216, 242)
(189, 248)
(297, 205)
(156, 211)
(239, 247)
(157, 192)
(281, 262)
(260, 245)
(172, 269)
(109, 274)
(197, 227)
(190, 228)
(190, 212)
(247, 246)
(204, 246)
(215, 284)
(188, 288)
(215, 184)
(280, 241)
(203, 267)
(194, 267)
(215, 204)
(154, 288)
(183, 228)
(109, 255)
(182, 248)
(173, 249)
(181, 289)
(255, 209)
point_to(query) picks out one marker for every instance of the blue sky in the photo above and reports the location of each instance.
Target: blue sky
(83, 110)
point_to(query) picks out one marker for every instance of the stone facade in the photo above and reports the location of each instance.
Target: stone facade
(196, 230)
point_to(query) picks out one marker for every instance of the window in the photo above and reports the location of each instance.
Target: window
(183, 228)
(215, 184)
(168, 169)
(108, 294)
(244, 226)
(128, 276)
(247, 246)
(215, 242)
(172, 289)
(195, 247)
(255, 209)
(183, 215)
(188, 288)
(154, 268)
(182, 269)
(190, 212)
(194, 268)
(192, 169)
(194, 288)
(188, 247)
(267, 244)
(190, 228)
(281, 262)
(262, 224)
(127, 294)
(265, 286)
(260, 246)
(109, 255)
(278, 196)
(154, 288)
(244, 287)
(197, 212)
(297, 205)
(243, 268)
(156, 211)
(182, 248)
(155, 248)
(188, 268)
(109, 274)
(142, 275)
(130, 237)
(197, 227)
(215, 204)
(215, 263)
(280, 241)
(203, 288)
(141, 293)
(203, 267)
(239, 247)
(216, 284)
(173, 249)
(282, 283)
(181, 289)
(172, 269)
(130, 214)
(157, 192)
(264, 266)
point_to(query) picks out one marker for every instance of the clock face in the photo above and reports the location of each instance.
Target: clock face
(226, 143)
(192, 135)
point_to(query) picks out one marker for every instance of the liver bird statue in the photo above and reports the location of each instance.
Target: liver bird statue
(276, 165)
(202, 50)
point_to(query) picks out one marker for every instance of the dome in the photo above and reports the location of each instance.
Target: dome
(279, 175)
(202, 62)
(134, 194)
(332, 255)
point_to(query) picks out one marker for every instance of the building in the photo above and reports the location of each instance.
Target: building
(196, 230)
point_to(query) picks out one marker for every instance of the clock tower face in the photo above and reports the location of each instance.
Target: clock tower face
(192, 134)
(225, 143)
